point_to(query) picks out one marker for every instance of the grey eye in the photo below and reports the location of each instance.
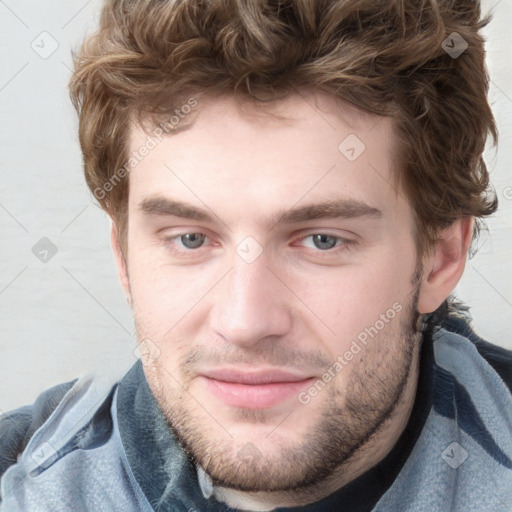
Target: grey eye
(192, 240)
(324, 241)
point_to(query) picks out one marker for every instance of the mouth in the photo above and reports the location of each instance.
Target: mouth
(254, 389)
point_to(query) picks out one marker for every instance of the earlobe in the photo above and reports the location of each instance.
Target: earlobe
(445, 266)
(120, 260)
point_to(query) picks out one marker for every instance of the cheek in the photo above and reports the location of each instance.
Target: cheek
(164, 296)
(168, 313)
(352, 298)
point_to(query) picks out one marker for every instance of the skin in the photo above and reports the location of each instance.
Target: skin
(298, 304)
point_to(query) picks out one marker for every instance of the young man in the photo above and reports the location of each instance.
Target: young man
(294, 187)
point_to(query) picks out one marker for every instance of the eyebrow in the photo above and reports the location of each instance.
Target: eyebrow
(342, 208)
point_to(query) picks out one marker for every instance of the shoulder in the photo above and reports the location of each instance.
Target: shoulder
(498, 357)
(19, 425)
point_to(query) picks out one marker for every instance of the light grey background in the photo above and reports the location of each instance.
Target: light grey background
(67, 316)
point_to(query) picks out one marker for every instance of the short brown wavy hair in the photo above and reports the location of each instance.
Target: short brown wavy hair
(386, 57)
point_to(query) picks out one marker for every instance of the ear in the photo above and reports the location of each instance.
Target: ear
(444, 267)
(120, 260)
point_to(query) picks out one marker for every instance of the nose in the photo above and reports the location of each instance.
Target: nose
(250, 305)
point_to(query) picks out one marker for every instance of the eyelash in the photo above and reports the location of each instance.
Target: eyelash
(343, 244)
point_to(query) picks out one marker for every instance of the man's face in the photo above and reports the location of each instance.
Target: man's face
(271, 270)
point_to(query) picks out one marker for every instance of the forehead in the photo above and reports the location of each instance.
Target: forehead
(309, 146)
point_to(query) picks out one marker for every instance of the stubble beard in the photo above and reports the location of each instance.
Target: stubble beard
(349, 417)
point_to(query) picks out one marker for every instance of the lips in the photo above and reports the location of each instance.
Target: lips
(254, 389)
(254, 377)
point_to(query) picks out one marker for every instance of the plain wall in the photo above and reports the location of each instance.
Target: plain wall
(67, 316)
